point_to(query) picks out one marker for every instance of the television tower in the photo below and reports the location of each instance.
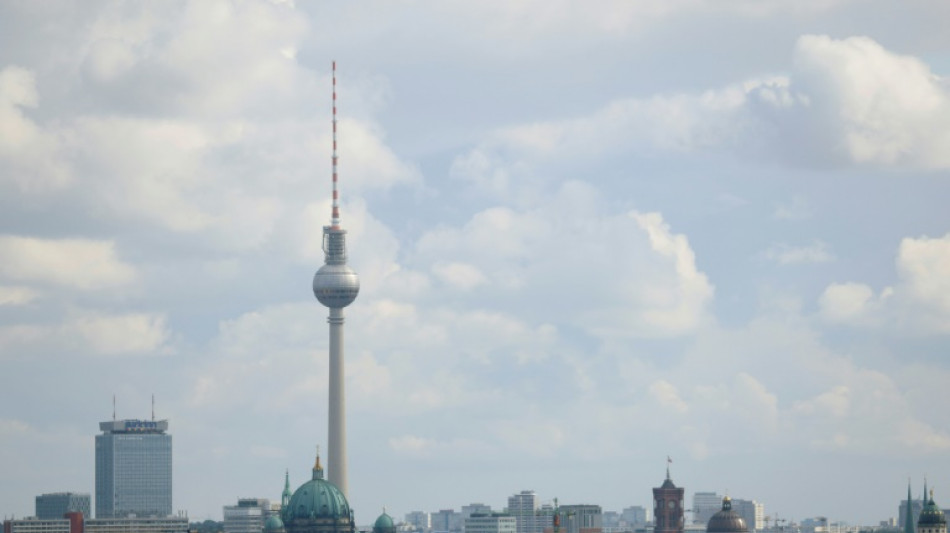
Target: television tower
(336, 285)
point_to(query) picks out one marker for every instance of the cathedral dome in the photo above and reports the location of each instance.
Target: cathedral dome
(384, 524)
(317, 499)
(726, 520)
(931, 514)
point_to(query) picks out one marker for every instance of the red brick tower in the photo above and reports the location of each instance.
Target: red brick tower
(668, 506)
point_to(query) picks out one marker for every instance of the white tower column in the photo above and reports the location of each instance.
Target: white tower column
(336, 456)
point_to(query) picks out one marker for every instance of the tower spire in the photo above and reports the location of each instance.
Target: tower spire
(335, 216)
(909, 512)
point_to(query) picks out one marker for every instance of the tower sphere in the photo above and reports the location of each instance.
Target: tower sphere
(336, 286)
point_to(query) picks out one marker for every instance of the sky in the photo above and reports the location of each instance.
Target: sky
(590, 236)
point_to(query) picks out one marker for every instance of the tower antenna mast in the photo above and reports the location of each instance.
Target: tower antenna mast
(336, 286)
(335, 217)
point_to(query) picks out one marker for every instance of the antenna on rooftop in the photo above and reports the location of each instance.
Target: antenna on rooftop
(113, 407)
(153, 407)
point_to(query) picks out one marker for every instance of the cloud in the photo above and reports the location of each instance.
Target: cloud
(784, 254)
(83, 264)
(666, 395)
(843, 102)
(918, 303)
(13, 295)
(883, 108)
(459, 275)
(90, 333)
(643, 273)
(29, 155)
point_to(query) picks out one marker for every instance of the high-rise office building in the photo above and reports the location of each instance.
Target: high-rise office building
(133, 469)
(57, 504)
(524, 507)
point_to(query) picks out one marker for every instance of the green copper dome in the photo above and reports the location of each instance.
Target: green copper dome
(316, 499)
(273, 523)
(931, 514)
(384, 524)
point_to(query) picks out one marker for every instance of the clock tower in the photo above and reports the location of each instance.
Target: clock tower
(668, 506)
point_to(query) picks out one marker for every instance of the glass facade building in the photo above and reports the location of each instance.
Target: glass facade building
(57, 504)
(133, 469)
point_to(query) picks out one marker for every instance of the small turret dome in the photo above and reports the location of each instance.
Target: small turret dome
(384, 524)
(726, 520)
(273, 524)
(931, 515)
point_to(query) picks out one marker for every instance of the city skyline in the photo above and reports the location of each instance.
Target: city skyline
(589, 237)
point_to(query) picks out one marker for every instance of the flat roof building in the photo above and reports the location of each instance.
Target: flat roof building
(133, 469)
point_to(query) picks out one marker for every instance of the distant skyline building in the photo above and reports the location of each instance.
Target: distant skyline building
(584, 518)
(446, 520)
(524, 507)
(751, 511)
(419, 520)
(133, 469)
(490, 523)
(668, 506)
(247, 516)
(55, 505)
(336, 286)
(475, 508)
(705, 505)
(634, 515)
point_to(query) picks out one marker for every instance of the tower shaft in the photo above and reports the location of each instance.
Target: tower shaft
(336, 452)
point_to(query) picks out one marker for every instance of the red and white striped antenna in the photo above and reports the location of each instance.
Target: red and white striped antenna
(335, 219)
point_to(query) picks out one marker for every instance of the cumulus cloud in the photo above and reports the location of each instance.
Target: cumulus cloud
(91, 333)
(645, 272)
(844, 102)
(77, 263)
(918, 303)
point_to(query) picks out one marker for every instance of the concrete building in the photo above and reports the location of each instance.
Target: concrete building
(581, 518)
(705, 505)
(133, 469)
(156, 524)
(55, 505)
(39, 525)
(490, 523)
(75, 523)
(524, 507)
(247, 516)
